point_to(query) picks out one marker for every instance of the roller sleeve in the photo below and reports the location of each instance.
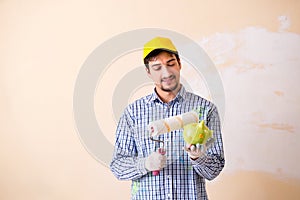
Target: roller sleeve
(172, 123)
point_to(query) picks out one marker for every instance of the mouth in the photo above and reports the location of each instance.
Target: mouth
(168, 80)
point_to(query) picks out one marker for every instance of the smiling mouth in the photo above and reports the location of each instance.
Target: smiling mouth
(168, 80)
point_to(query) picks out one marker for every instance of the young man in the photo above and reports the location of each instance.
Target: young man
(182, 170)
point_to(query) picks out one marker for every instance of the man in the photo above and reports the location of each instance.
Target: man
(182, 170)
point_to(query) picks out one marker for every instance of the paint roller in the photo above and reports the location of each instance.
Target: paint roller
(166, 125)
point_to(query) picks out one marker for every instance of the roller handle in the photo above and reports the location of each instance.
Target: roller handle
(162, 152)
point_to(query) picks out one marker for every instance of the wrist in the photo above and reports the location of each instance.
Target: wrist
(141, 166)
(199, 160)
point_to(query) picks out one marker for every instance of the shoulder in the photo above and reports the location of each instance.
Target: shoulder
(138, 106)
(139, 102)
(197, 99)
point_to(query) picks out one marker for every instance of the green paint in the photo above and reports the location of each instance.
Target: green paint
(135, 187)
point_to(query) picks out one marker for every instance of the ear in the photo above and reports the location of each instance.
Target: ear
(179, 63)
(147, 70)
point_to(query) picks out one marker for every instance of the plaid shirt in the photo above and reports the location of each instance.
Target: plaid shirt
(182, 178)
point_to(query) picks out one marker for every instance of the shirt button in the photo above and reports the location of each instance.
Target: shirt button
(169, 195)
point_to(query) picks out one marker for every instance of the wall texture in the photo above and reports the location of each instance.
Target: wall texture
(254, 45)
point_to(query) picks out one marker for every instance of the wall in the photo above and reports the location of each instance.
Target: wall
(254, 45)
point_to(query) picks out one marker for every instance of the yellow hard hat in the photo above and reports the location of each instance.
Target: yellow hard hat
(159, 43)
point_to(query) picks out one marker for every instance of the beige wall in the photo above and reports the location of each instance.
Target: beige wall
(254, 44)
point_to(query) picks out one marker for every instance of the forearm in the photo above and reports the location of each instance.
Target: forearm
(209, 166)
(126, 164)
(128, 168)
(212, 162)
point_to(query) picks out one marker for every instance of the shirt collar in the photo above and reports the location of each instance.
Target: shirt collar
(181, 95)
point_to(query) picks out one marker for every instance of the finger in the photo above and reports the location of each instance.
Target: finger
(162, 157)
(163, 163)
(193, 148)
(210, 142)
(187, 149)
(198, 148)
(203, 148)
(164, 160)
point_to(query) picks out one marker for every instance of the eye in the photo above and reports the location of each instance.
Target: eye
(171, 64)
(156, 67)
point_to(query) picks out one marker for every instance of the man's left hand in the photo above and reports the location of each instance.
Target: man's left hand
(195, 151)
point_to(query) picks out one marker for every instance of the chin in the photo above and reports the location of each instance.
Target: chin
(169, 88)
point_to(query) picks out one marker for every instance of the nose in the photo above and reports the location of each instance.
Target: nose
(166, 72)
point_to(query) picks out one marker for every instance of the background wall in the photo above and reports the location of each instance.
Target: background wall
(254, 44)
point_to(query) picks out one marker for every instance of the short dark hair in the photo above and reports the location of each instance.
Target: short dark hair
(155, 53)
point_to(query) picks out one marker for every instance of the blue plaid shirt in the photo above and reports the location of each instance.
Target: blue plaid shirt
(182, 178)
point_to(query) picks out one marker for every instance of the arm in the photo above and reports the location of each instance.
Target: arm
(126, 165)
(210, 164)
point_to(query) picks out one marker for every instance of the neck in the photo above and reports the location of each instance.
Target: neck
(167, 96)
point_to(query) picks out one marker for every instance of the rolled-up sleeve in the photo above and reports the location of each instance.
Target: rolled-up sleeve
(211, 164)
(125, 164)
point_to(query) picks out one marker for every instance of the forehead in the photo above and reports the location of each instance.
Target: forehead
(163, 56)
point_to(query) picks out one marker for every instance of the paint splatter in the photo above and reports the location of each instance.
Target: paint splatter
(135, 187)
(277, 126)
(250, 66)
(278, 93)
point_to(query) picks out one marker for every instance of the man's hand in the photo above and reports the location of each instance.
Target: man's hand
(195, 151)
(155, 161)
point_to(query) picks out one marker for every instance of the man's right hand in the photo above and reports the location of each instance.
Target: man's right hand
(155, 161)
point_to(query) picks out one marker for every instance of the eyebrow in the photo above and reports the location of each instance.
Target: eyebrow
(172, 59)
(158, 64)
